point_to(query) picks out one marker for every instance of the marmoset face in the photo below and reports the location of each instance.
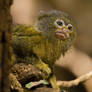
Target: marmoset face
(63, 29)
(56, 23)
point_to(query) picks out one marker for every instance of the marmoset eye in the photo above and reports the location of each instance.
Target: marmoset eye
(59, 23)
(69, 26)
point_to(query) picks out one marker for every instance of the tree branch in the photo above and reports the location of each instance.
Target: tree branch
(5, 36)
(75, 82)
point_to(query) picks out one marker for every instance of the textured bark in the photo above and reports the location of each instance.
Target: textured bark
(26, 73)
(22, 73)
(5, 24)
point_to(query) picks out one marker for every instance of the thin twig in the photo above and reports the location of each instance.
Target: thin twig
(76, 81)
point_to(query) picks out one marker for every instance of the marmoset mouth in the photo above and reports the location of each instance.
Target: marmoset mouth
(61, 35)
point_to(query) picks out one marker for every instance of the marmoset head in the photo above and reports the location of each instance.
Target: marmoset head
(56, 24)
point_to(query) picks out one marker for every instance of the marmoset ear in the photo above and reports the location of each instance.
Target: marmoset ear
(42, 14)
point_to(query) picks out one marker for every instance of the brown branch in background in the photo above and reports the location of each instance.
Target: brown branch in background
(5, 56)
(75, 82)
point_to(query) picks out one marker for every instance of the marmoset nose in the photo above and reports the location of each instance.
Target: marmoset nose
(64, 29)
